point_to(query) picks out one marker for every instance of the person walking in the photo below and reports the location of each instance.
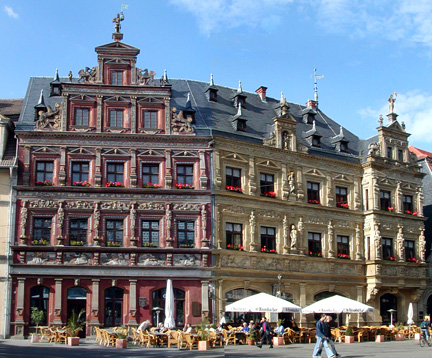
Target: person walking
(266, 333)
(328, 334)
(322, 339)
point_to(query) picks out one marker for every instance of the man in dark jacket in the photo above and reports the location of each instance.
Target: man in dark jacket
(265, 333)
(322, 339)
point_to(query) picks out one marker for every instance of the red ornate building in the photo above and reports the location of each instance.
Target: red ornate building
(112, 200)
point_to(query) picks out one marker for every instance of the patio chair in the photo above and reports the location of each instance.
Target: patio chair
(190, 340)
(46, 334)
(215, 339)
(99, 336)
(339, 336)
(288, 336)
(228, 338)
(362, 335)
(173, 338)
(135, 336)
(109, 338)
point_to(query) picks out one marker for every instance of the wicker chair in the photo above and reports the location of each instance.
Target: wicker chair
(173, 338)
(135, 336)
(109, 338)
(228, 338)
(190, 341)
(363, 335)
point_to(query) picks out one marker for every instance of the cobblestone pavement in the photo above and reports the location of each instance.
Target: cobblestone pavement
(18, 349)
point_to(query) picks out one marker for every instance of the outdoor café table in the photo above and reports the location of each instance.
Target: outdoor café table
(240, 336)
(161, 338)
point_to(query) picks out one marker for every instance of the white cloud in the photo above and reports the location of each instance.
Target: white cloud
(414, 109)
(10, 12)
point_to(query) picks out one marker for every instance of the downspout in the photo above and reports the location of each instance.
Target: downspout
(13, 170)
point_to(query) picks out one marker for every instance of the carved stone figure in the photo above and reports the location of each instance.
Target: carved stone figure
(293, 237)
(331, 239)
(400, 243)
(144, 76)
(291, 182)
(252, 223)
(96, 219)
(285, 232)
(380, 120)
(117, 20)
(23, 219)
(50, 118)
(391, 102)
(286, 140)
(132, 215)
(374, 149)
(180, 123)
(358, 238)
(377, 242)
(87, 74)
(204, 221)
(60, 219)
(422, 245)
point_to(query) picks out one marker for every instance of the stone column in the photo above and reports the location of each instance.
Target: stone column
(133, 174)
(419, 200)
(358, 254)
(94, 320)
(204, 241)
(62, 171)
(26, 174)
(398, 199)
(19, 319)
(132, 303)
(218, 234)
(285, 190)
(252, 177)
(285, 234)
(360, 316)
(221, 300)
(58, 302)
(168, 170)
(64, 112)
(217, 168)
(133, 114)
(375, 194)
(331, 240)
(168, 129)
(253, 241)
(330, 193)
(98, 169)
(202, 168)
(302, 302)
(300, 191)
(205, 297)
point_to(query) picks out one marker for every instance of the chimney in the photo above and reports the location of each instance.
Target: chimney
(311, 104)
(262, 93)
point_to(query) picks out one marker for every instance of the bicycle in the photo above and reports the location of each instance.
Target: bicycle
(423, 340)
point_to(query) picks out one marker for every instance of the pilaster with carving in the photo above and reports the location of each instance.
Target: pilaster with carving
(168, 219)
(133, 174)
(285, 189)
(96, 224)
(26, 173)
(99, 110)
(217, 227)
(330, 194)
(23, 223)
(94, 321)
(252, 176)
(399, 198)
(285, 231)
(168, 170)
(132, 303)
(357, 200)
(217, 169)
(98, 169)
(300, 190)
(301, 236)
(376, 193)
(58, 302)
(19, 313)
(253, 239)
(202, 165)
(204, 241)
(133, 100)
(331, 240)
(419, 194)
(63, 112)
(377, 241)
(62, 171)
(358, 254)
(60, 224)
(132, 219)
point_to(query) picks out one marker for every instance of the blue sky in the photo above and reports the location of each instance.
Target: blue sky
(365, 49)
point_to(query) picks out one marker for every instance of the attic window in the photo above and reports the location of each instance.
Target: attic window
(213, 95)
(309, 119)
(316, 142)
(116, 77)
(241, 101)
(241, 125)
(55, 90)
(344, 146)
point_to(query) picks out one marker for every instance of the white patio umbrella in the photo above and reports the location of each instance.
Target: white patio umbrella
(262, 302)
(337, 304)
(410, 318)
(169, 305)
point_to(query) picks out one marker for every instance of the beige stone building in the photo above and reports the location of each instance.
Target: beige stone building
(310, 201)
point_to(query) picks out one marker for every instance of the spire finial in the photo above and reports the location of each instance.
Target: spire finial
(341, 131)
(316, 77)
(41, 98)
(165, 76)
(211, 79)
(282, 98)
(239, 89)
(188, 101)
(56, 76)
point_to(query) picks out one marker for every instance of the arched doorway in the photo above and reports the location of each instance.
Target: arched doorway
(238, 317)
(387, 302)
(39, 299)
(76, 302)
(158, 301)
(113, 307)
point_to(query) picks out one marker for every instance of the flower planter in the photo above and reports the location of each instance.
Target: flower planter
(278, 341)
(349, 339)
(203, 345)
(379, 338)
(35, 338)
(250, 342)
(73, 341)
(399, 337)
(121, 343)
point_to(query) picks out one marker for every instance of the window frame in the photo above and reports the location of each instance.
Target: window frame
(80, 173)
(385, 202)
(186, 231)
(150, 230)
(82, 233)
(268, 240)
(232, 236)
(81, 117)
(116, 111)
(115, 80)
(108, 173)
(343, 245)
(409, 246)
(315, 244)
(231, 179)
(313, 194)
(185, 174)
(45, 231)
(266, 183)
(150, 174)
(387, 247)
(408, 205)
(115, 230)
(146, 111)
(48, 175)
(341, 199)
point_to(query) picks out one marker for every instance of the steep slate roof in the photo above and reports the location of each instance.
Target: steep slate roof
(11, 108)
(216, 117)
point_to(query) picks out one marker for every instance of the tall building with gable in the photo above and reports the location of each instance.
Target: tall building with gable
(127, 180)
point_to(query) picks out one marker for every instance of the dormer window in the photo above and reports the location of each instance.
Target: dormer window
(241, 100)
(241, 125)
(55, 90)
(400, 155)
(117, 78)
(389, 152)
(213, 95)
(344, 147)
(310, 118)
(316, 141)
